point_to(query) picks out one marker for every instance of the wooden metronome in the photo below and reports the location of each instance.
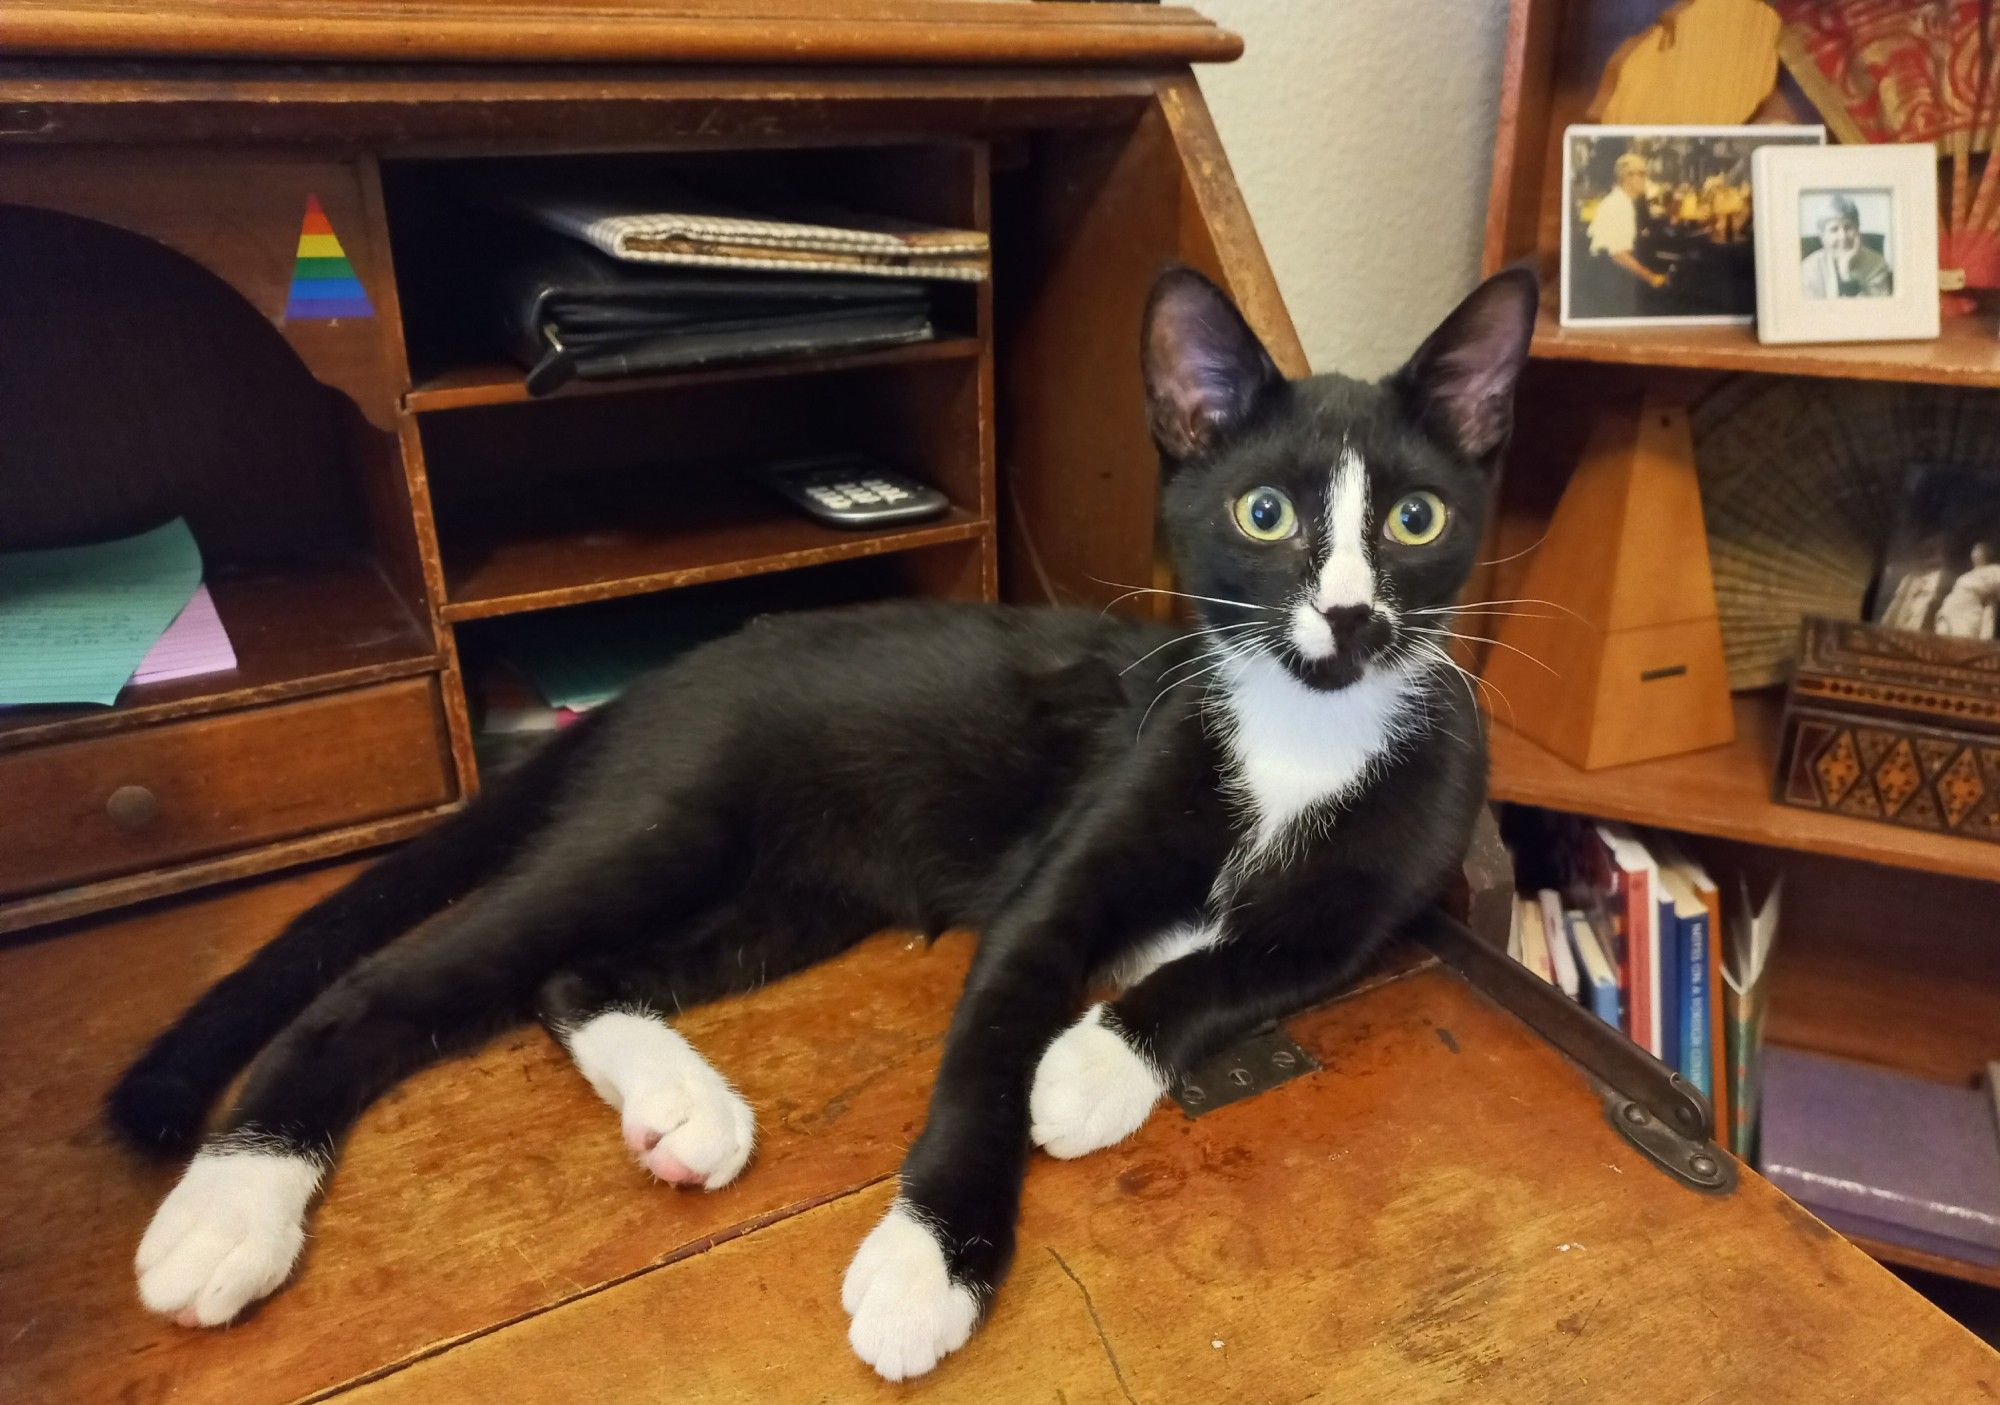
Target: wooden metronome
(1629, 633)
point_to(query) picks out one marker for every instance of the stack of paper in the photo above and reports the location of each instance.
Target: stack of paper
(78, 623)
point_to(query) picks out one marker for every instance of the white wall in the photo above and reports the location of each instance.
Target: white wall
(1361, 132)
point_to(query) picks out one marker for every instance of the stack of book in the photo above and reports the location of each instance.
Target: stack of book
(1633, 926)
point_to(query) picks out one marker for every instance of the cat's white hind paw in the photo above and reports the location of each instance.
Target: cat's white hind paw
(906, 1312)
(1092, 1089)
(226, 1235)
(681, 1118)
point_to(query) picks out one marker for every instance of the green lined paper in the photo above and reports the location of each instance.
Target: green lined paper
(76, 622)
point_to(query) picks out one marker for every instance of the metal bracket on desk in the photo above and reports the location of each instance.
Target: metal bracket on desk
(1652, 1107)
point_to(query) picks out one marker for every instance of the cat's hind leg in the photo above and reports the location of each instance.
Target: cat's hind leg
(230, 1232)
(680, 1117)
(610, 1010)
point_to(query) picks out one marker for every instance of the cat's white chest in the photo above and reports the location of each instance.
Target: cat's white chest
(1293, 749)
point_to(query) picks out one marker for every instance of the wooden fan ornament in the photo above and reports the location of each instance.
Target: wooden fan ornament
(1800, 486)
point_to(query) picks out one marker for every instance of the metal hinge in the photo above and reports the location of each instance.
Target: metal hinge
(1244, 1069)
(1653, 1108)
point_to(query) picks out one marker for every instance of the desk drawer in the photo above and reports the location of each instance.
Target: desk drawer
(85, 810)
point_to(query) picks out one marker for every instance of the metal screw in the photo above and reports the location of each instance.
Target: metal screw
(1240, 1077)
(1193, 1094)
(1635, 1114)
(1283, 1058)
(1702, 1165)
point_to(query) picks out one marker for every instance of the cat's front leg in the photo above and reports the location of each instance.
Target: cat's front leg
(920, 1280)
(1102, 1077)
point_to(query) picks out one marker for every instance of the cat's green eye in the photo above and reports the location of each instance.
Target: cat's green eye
(1417, 520)
(1266, 515)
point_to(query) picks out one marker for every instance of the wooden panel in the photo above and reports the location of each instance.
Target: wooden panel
(684, 31)
(1098, 218)
(1216, 234)
(417, 110)
(220, 783)
(47, 909)
(1726, 792)
(480, 1191)
(240, 217)
(1441, 1215)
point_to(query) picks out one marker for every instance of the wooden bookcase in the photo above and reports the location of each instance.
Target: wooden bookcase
(374, 495)
(1890, 945)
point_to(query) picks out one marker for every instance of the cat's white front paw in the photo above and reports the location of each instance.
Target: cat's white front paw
(1091, 1089)
(906, 1312)
(226, 1235)
(680, 1117)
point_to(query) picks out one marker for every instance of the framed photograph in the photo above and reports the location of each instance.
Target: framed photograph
(1941, 569)
(1847, 244)
(1656, 223)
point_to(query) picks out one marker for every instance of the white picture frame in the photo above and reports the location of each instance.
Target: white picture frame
(1597, 290)
(1877, 280)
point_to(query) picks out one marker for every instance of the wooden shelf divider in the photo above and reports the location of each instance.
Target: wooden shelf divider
(1966, 354)
(470, 387)
(1724, 792)
(577, 567)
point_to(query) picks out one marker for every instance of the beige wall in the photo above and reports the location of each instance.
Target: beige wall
(1361, 132)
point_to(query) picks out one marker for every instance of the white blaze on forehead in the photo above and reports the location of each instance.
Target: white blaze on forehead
(1346, 579)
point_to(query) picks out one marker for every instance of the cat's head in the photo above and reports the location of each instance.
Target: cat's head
(1316, 520)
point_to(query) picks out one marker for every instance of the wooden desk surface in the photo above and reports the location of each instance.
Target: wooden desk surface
(1441, 1214)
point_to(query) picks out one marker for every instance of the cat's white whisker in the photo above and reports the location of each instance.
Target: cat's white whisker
(1132, 590)
(1496, 643)
(1183, 638)
(1503, 560)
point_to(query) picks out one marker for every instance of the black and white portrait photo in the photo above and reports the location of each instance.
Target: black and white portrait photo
(1844, 237)
(1941, 571)
(1658, 222)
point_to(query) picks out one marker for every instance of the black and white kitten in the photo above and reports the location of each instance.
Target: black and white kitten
(1227, 823)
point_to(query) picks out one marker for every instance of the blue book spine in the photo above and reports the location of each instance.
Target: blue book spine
(1673, 990)
(1604, 1001)
(1698, 1064)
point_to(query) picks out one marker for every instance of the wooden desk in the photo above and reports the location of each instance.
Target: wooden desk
(375, 495)
(1442, 1213)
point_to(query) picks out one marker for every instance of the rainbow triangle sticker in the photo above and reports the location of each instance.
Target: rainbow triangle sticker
(323, 283)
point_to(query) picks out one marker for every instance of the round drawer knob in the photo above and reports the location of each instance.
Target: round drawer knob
(132, 807)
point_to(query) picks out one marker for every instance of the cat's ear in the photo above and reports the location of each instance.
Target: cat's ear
(1205, 369)
(1461, 381)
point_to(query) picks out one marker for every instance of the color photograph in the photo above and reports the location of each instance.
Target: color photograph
(1658, 222)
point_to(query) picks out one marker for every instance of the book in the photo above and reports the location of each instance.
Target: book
(1534, 942)
(1637, 876)
(1514, 931)
(1697, 945)
(1710, 894)
(1600, 981)
(1884, 1154)
(1561, 955)
(1690, 918)
(1746, 960)
(1667, 964)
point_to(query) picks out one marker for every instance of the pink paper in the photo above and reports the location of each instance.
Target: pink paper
(193, 644)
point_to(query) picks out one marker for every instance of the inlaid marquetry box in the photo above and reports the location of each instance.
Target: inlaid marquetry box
(1893, 725)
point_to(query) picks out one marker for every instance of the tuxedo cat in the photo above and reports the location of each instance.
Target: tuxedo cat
(1224, 822)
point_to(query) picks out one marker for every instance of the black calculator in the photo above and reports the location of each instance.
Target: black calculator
(853, 490)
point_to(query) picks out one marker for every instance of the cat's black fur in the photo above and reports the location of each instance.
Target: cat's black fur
(778, 795)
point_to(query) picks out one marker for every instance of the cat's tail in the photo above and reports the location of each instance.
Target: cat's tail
(163, 1100)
